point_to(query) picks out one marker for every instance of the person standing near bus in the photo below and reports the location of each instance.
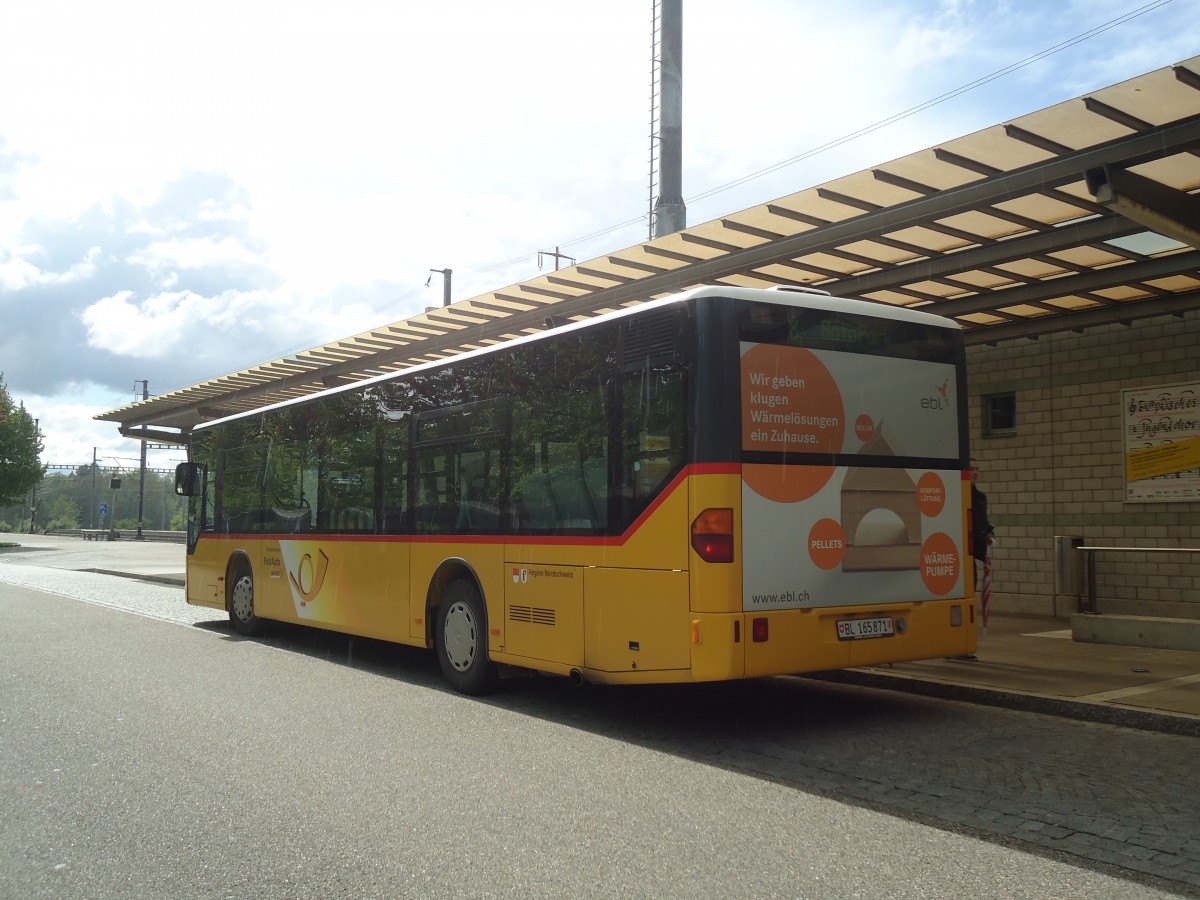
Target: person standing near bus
(983, 534)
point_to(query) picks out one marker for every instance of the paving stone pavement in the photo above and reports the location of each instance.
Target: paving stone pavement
(1109, 795)
(1103, 794)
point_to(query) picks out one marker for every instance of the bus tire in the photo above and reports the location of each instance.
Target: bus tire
(462, 639)
(241, 602)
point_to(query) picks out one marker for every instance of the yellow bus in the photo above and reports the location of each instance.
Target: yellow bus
(727, 483)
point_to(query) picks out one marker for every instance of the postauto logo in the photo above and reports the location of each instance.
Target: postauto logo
(309, 576)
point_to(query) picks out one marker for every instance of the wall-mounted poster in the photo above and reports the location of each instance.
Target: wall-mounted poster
(1162, 443)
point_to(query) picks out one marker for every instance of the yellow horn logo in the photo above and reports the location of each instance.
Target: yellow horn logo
(308, 580)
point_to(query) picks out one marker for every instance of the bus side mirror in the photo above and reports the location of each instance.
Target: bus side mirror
(189, 479)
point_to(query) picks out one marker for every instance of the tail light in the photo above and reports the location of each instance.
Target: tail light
(712, 535)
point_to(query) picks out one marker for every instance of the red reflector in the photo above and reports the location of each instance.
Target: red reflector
(714, 548)
(712, 535)
(758, 630)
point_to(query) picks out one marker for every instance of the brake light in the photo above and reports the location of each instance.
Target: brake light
(712, 535)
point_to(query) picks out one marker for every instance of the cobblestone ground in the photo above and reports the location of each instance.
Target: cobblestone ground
(156, 601)
(1101, 794)
(1111, 797)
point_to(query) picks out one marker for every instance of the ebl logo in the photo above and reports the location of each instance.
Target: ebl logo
(309, 578)
(939, 402)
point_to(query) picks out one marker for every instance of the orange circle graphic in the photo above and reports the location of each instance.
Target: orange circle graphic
(941, 563)
(827, 543)
(864, 428)
(790, 403)
(931, 494)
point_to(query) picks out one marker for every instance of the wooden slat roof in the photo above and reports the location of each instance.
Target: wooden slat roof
(1000, 230)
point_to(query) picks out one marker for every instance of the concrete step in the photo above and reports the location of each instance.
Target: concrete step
(1176, 609)
(1136, 631)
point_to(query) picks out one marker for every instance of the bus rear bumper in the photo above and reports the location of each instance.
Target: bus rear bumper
(789, 642)
(732, 646)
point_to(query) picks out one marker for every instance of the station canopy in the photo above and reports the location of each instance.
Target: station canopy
(1081, 214)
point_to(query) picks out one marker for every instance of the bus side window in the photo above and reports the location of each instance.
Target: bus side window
(284, 493)
(394, 442)
(595, 477)
(208, 513)
(475, 512)
(348, 488)
(655, 421)
(534, 504)
(242, 473)
(570, 490)
(434, 512)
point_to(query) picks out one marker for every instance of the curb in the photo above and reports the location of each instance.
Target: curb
(1127, 717)
(172, 580)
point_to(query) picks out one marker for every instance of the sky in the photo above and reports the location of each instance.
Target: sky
(191, 188)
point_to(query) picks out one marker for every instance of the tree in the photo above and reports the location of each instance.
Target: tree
(64, 513)
(20, 447)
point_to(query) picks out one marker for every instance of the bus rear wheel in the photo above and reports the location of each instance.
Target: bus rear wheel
(241, 603)
(462, 639)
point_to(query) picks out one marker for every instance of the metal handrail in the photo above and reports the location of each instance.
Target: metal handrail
(1090, 554)
(121, 534)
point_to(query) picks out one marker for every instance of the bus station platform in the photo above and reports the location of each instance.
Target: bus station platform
(1032, 663)
(1023, 662)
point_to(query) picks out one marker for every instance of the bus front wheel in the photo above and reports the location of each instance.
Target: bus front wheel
(462, 639)
(241, 603)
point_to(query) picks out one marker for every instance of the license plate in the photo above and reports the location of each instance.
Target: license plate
(860, 629)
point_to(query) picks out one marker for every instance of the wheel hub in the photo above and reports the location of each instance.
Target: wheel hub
(461, 636)
(242, 600)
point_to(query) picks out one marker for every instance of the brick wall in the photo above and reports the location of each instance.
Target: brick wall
(1061, 472)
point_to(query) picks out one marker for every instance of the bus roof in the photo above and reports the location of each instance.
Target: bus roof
(799, 297)
(814, 298)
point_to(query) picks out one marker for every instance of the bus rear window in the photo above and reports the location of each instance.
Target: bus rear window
(821, 329)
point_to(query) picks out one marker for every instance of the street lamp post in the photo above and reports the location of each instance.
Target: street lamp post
(92, 514)
(114, 485)
(33, 498)
(445, 273)
(142, 477)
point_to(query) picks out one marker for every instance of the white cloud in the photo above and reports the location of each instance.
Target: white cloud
(18, 271)
(164, 324)
(196, 253)
(71, 434)
(192, 189)
(920, 46)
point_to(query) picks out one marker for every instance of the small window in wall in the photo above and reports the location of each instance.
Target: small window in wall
(999, 414)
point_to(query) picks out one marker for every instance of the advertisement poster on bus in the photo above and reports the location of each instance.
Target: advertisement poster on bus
(828, 531)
